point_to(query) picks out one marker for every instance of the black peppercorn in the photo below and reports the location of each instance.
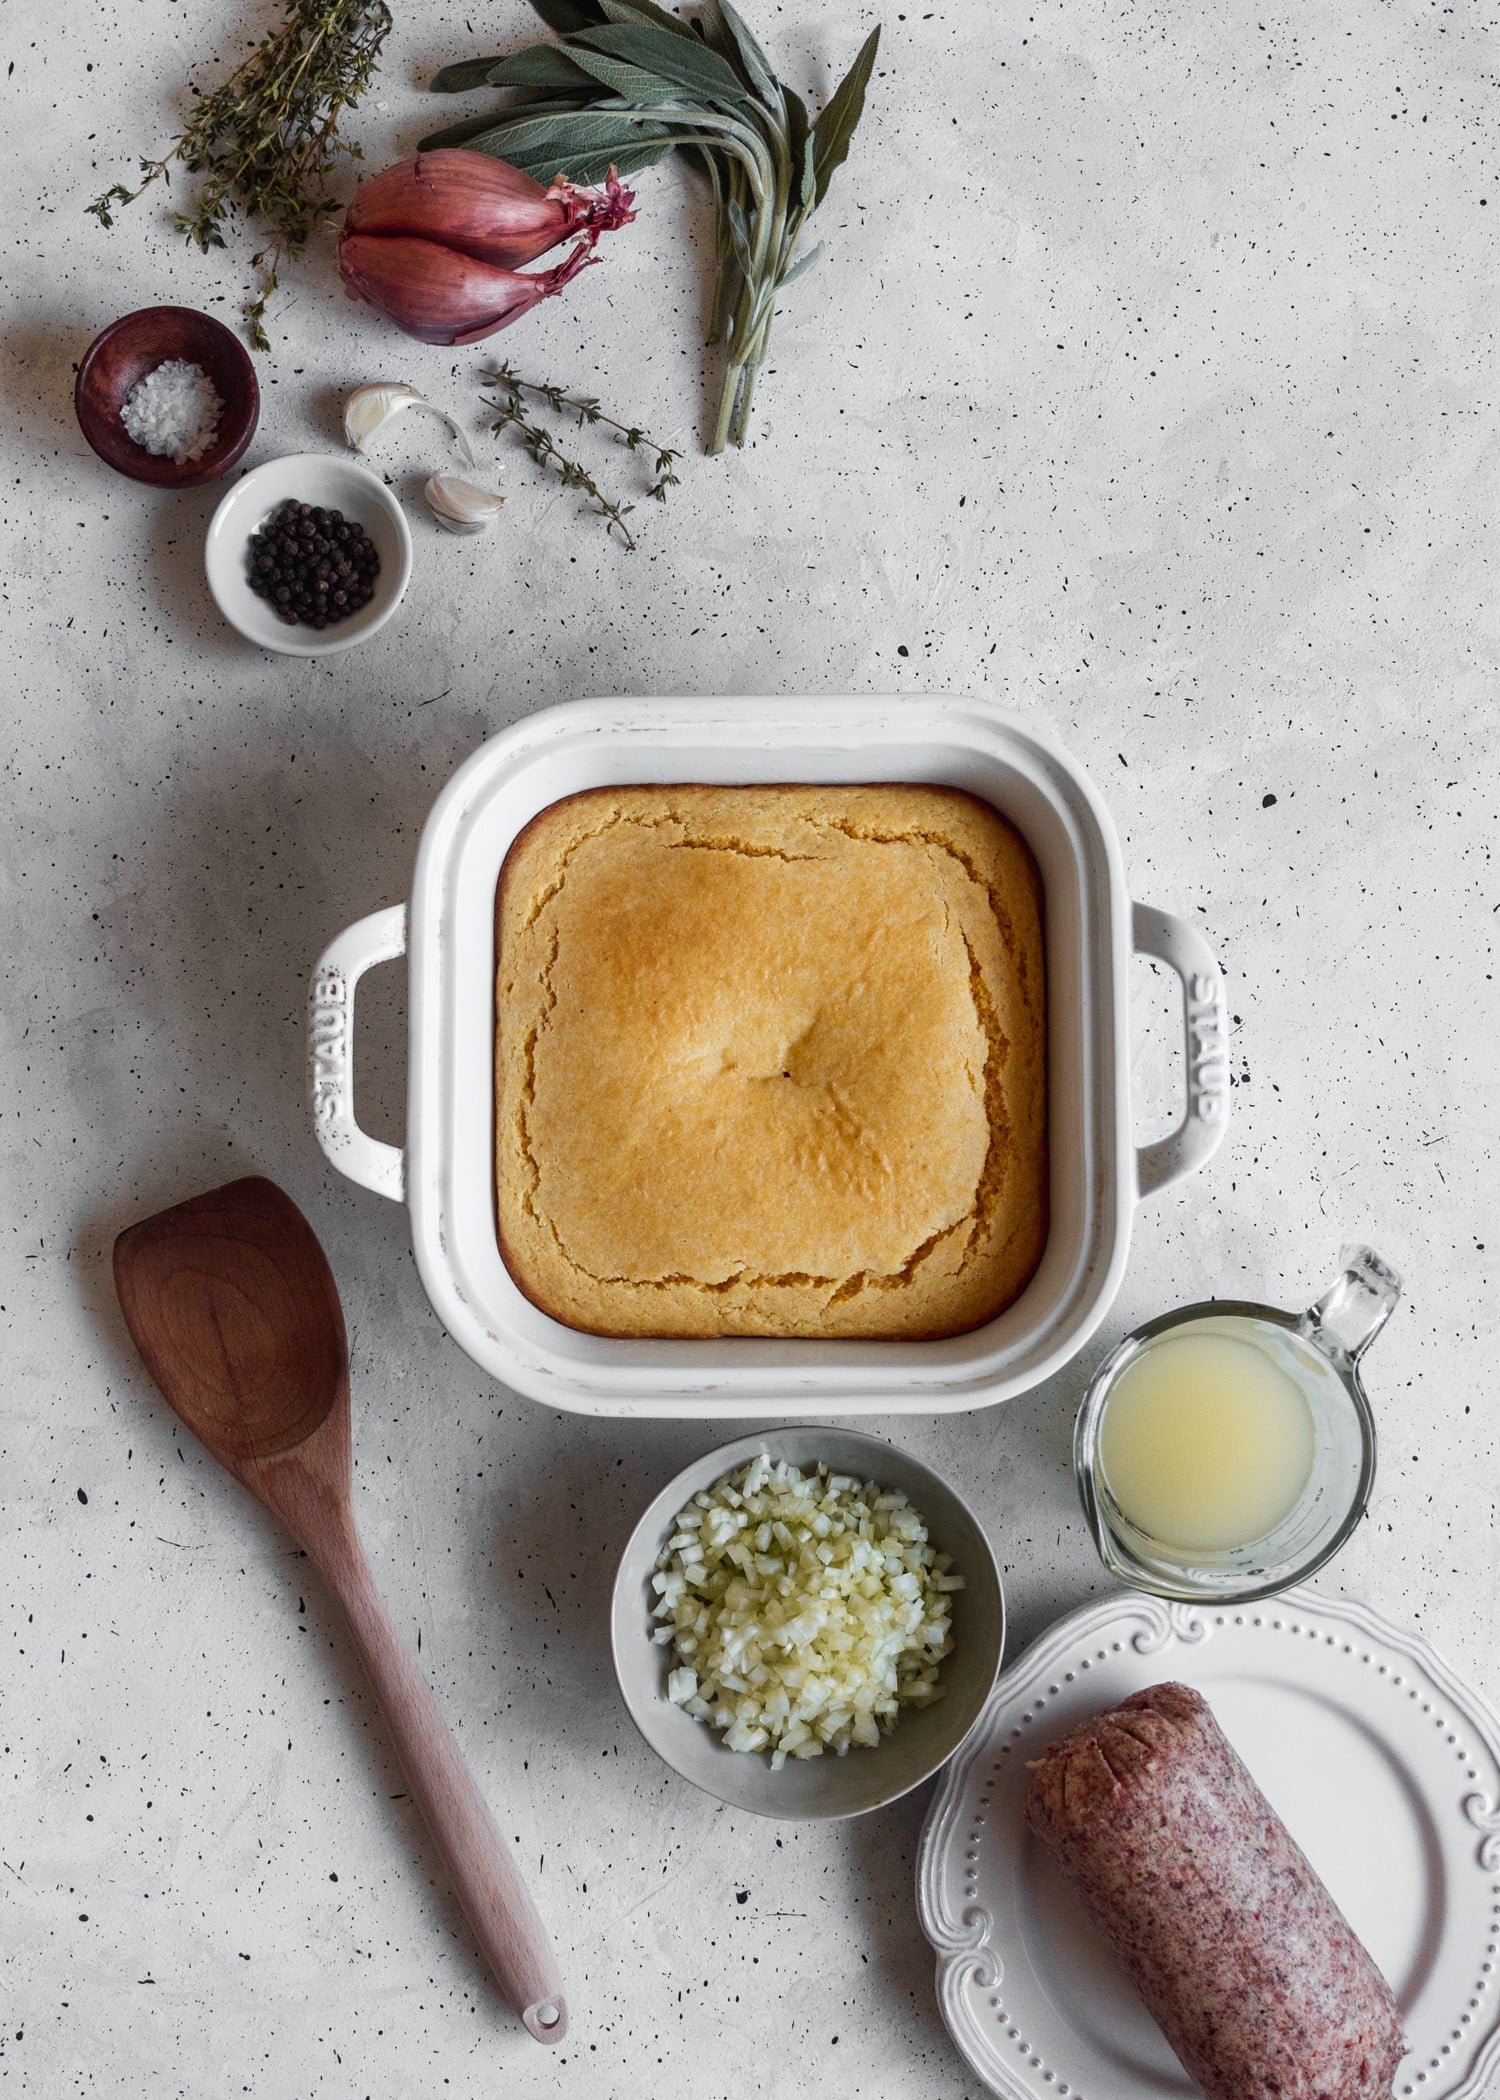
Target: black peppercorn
(314, 566)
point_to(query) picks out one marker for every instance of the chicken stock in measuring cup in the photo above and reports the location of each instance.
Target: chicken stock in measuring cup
(1227, 1450)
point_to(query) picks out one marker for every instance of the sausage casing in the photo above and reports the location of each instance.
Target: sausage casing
(1244, 1960)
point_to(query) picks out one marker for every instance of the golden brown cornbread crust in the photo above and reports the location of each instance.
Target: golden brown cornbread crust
(770, 1061)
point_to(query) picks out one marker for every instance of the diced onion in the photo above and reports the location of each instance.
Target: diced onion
(803, 1610)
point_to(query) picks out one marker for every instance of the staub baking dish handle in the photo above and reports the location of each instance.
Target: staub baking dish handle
(1206, 1037)
(330, 1050)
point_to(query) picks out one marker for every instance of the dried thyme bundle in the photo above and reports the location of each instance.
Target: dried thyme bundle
(266, 142)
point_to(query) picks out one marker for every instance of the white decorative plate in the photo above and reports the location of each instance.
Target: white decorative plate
(1384, 1767)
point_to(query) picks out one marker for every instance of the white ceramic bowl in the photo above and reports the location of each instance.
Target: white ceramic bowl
(336, 484)
(818, 1788)
(445, 1170)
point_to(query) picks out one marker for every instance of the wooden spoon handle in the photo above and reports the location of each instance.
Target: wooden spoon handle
(501, 1914)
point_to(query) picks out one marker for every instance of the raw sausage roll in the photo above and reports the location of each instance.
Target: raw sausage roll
(1244, 1960)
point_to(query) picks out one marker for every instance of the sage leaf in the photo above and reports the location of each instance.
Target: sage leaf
(803, 262)
(732, 40)
(685, 62)
(538, 66)
(576, 132)
(471, 131)
(468, 73)
(628, 11)
(799, 147)
(564, 16)
(633, 83)
(628, 161)
(578, 143)
(835, 126)
(581, 167)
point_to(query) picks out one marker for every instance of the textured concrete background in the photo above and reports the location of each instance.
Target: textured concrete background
(1148, 388)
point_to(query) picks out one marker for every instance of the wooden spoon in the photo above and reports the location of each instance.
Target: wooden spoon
(232, 1304)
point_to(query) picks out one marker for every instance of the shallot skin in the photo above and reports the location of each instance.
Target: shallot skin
(440, 295)
(483, 206)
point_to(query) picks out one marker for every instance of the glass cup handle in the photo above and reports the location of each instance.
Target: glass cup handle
(1355, 1306)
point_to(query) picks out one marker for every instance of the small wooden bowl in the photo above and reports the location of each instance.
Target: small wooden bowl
(136, 345)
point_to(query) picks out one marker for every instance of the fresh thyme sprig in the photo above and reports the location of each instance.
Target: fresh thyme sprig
(266, 141)
(509, 404)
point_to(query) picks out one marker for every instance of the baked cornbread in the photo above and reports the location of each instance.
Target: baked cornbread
(770, 1061)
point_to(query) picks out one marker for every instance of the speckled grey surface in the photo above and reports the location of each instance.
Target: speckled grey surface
(1149, 387)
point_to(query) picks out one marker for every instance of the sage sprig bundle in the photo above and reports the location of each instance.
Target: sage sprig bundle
(625, 84)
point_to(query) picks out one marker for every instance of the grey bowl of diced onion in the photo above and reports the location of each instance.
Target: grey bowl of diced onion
(658, 1682)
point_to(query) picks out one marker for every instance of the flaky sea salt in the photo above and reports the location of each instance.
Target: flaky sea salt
(174, 411)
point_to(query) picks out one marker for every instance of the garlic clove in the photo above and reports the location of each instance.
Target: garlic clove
(370, 408)
(460, 507)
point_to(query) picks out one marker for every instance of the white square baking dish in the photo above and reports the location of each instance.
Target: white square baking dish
(446, 932)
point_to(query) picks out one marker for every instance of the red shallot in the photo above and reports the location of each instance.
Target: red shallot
(441, 295)
(483, 206)
(437, 243)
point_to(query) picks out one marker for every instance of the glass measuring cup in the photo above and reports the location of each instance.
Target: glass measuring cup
(1319, 1351)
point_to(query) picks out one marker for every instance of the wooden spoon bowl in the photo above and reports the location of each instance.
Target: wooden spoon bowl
(233, 1307)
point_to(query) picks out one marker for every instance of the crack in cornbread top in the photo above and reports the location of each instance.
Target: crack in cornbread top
(770, 1061)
